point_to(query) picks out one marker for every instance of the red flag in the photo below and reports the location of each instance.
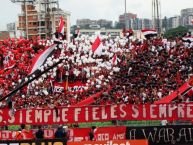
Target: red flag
(114, 60)
(97, 46)
(61, 26)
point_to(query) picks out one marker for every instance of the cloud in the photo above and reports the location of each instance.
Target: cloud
(8, 13)
(99, 9)
(111, 9)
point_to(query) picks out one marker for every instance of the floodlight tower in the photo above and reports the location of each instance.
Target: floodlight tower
(156, 15)
(24, 3)
(51, 7)
(125, 15)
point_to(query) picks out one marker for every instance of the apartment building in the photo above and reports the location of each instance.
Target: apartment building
(87, 23)
(42, 19)
(186, 16)
(127, 17)
(174, 22)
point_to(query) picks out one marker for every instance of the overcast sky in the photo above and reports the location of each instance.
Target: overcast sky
(99, 9)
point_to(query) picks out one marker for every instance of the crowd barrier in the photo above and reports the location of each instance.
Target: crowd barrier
(61, 142)
(78, 134)
(156, 135)
(111, 142)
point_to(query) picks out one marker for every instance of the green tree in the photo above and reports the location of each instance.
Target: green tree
(176, 32)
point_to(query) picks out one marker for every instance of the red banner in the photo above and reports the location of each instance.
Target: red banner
(77, 134)
(7, 135)
(110, 133)
(97, 114)
(10, 135)
(100, 134)
(72, 87)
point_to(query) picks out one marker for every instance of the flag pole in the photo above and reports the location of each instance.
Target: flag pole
(125, 14)
(67, 83)
(38, 74)
(67, 74)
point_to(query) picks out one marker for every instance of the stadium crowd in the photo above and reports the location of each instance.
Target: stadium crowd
(151, 70)
(125, 70)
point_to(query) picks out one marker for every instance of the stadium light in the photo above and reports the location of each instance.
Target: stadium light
(125, 14)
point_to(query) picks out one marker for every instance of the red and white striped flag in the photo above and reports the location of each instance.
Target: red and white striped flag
(9, 61)
(148, 32)
(97, 47)
(61, 25)
(41, 58)
(188, 38)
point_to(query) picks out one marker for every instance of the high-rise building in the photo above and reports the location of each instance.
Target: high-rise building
(135, 23)
(146, 23)
(126, 17)
(105, 23)
(42, 19)
(87, 23)
(186, 16)
(139, 23)
(174, 22)
(11, 28)
(183, 20)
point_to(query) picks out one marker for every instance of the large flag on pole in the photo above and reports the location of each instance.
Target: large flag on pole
(61, 26)
(97, 47)
(41, 58)
(149, 32)
(188, 39)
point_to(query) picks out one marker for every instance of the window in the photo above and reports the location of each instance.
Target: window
(43, 36)
(42, 23)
